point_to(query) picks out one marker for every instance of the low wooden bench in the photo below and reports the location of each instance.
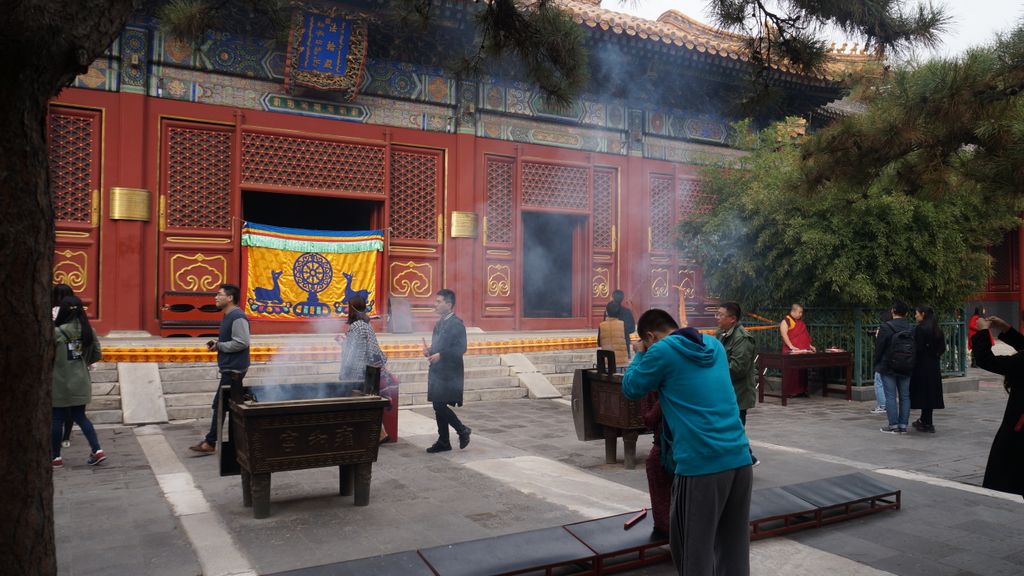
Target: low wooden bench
(602, 546)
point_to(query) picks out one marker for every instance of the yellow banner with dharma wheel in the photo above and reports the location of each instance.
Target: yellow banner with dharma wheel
(296, 274)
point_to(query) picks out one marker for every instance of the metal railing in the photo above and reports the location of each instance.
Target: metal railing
(854, 330)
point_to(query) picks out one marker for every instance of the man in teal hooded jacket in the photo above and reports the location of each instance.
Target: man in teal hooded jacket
(709, 531)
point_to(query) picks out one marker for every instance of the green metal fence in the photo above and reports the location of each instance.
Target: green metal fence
(854, 330)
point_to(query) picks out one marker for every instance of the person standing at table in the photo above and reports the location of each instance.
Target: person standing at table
(795, 338)
(740, 350)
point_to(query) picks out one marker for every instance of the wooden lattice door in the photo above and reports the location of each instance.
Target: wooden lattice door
(197, 252)
(415, 266)
(74, 145)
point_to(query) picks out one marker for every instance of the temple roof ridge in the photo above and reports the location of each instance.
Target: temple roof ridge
(675, 28)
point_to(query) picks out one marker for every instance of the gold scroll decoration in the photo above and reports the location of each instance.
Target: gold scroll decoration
(687, 279)
(411, 279)
(464, 225)
(499, 280)
(600, 283)
(129, 204)
(71, 267)
(659, 282)
(198, 272)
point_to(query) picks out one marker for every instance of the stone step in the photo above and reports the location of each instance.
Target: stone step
(565, 390)
(107, 375)
(209, 385)
(560, 379)
(208, 371)
(102, 403)
(109, 416)
(482, 395)
(183, 400)
(562, 368)
(106, 389)
(189, 412)
(470, 384)
(203, 398)
(589, 356)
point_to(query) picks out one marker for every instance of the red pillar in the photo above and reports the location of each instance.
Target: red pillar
(123, 253)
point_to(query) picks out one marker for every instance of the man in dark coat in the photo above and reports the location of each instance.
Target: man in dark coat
(1005, 469)
(446, 375)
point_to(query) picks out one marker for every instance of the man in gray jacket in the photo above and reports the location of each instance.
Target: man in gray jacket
(232, 346)
(741, 350)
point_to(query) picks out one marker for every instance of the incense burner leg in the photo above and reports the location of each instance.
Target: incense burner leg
(629, 438)
(345, 478)
(260, 495)
(611, 441)
(362, 474)
(246, 488)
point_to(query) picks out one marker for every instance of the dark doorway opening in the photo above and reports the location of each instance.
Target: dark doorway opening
(548, 264)
(308, 212)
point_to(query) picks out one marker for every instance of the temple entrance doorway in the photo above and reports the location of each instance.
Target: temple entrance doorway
(310, 212)
(552, 286)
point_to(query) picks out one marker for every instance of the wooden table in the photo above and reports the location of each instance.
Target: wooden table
(803, 360)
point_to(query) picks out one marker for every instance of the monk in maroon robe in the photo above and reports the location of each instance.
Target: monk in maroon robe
(795, 338)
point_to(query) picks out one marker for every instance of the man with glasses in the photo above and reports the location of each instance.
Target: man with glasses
(741, 350)
(232, 346)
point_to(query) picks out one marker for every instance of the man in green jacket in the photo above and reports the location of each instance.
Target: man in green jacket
(741, 350)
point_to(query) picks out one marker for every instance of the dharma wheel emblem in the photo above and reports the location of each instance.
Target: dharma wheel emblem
(313, 273)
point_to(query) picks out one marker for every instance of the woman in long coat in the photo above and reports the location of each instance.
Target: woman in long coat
(926, 379)
(77, 348)
(1005, 469)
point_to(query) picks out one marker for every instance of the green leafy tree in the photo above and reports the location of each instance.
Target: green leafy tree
(898, 202)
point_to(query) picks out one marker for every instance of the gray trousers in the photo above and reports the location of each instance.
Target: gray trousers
(710, 523)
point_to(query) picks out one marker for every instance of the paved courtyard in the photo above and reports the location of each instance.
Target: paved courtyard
(152, 508)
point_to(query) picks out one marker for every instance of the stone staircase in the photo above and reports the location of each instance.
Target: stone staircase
(105, 407)
(188, 388)
(560, 366)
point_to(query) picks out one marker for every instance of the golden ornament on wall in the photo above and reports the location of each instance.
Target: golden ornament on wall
(411, 279)
(687, 278)
(601, 282)
(659, 283)
(198, 272)
(499, 280)
(71, 267)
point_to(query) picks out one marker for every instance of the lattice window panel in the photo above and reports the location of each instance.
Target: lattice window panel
(312, 164)
(71, 151)
(499, 202)
(604, 195)
(693, 202)
(550, 186)
(414, 195)
(198, 178)
(662, 213)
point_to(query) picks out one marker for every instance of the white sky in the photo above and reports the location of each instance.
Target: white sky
(974, 21)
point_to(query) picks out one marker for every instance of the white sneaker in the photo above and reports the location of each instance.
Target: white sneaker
(878, 410)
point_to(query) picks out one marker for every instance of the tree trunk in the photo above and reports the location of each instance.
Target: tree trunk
(44, 46)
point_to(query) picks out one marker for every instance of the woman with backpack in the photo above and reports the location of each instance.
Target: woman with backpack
(77, 348)
(926, 380)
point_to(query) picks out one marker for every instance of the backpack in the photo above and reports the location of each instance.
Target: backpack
(902, 352)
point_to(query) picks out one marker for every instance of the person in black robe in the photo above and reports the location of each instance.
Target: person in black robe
(926, 379)
(1005, 468)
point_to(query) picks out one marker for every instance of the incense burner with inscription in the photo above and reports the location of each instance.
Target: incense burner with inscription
(312, 429)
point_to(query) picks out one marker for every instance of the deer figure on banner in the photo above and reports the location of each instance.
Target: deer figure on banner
(271, 295)
(350, 293)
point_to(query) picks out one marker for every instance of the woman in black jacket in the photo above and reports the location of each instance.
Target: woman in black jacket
(1005, 469)
(926, 380)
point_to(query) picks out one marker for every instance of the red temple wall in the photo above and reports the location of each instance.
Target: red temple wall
(195, 160)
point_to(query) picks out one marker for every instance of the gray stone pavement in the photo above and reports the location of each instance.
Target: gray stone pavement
(525, 469)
